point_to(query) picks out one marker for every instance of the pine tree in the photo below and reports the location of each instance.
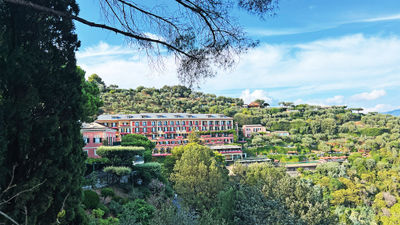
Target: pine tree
(40, 112)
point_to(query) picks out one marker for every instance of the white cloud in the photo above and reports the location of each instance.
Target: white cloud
(104, 49)
(338, 99)
(381, 108)
(293, 71)
(314, 27)
(381, 18)
(127, 67)
(375, 94)
(249, 97)
(348, 62)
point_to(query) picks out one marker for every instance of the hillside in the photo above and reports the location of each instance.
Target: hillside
(165, 99)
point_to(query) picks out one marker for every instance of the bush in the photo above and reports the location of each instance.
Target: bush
(149, 171)
(118, 170)
(107, 192)
(115, 207)
(90, 199)
(104, 209)
(373, 131)
(137, 211)
(120, 155)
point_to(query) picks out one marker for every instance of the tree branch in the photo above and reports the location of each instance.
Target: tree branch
(149, 13)
(92, 24)
(9, 218)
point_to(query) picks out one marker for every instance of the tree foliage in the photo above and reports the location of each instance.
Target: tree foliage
(202, 35)
(41, 106)
(197, 177)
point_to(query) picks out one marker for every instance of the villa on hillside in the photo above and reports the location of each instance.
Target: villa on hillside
(168, 130)
(249, 130)
(94, 135)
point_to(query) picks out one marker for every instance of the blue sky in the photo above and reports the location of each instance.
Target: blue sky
(312, 51)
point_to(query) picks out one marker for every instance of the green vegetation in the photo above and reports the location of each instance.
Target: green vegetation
(44, 99)
(166, 99)
(118, 170)
(90, 199)
(139, 140)
(198, 177)
(120, 155)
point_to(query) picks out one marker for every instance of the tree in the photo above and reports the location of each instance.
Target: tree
(197, 177)
(96, 79)
(91, 96)
(139, 140)
(41, 106)
(137, 211)
(120, 155)
(201, 34)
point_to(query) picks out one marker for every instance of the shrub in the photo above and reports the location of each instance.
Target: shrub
(137, 211)
(149, 171)
(118, 170)
(120, 155)
(90, 199)
(107, 192)
(104, 209)
(115, 207)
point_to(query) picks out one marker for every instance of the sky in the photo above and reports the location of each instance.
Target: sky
(312, 51)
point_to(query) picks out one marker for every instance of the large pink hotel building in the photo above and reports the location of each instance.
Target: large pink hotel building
(171, 129)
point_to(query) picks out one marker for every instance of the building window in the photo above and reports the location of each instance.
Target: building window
(144, 123)
(114, 124)
(177, 122)
(136, 130)
(136, 124)
(86, 140)
(153, 129)
(159, 123)
(145, 130)
(128, 130)
(171, 123)
(97, 140)
(105, 124)
(87, 152)
(190, 123)
(95, 153)
(153, 123)
(183, 122)
(165, 128)
(197, 123)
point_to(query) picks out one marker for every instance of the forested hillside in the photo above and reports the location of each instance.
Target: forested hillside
(361, 188)
(165, 99)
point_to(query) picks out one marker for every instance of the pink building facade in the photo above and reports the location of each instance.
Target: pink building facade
(249, 130)
(94, 135)
(168, 130)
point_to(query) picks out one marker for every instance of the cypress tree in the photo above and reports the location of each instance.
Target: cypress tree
(40, 112)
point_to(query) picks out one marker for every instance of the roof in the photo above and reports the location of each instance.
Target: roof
(254, 104)
(253, 125)
(161, 116)
(224, 147)
(95, 126)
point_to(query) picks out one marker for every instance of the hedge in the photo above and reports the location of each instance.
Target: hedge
(149, 171)
(120, 155)
(118, 170)
(90, 199)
